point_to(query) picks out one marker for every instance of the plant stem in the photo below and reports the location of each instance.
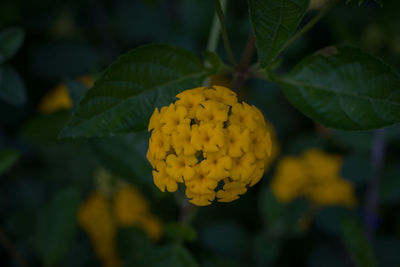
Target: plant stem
(377, 159)
(215, 30)
(311, 23)
(242, 71)
(224, 32)
(188, 212)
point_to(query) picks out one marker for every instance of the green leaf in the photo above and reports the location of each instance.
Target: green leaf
(282, 219)
(12, 88)
(345, 88)
(167, 256)
(76, 90)
(180, 232)
(125, 156)
(389, 187)
(273, 24)
(8, 157)
(214, 60)
(265, 250)
(10, 41)
(225, 238)
(379, 2)
(134, 245)
(124, 97)
(357, 244)
(55, 227)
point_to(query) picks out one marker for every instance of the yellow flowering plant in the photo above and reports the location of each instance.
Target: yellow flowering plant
(207, 140)
(101, 214)
(314, 175)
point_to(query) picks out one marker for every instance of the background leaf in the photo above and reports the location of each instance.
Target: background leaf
(273, 23)
(10, 41)
(8, 157)
(345, 88)
(12, 88)
(55, 231)
(357, 244)
(125, 96)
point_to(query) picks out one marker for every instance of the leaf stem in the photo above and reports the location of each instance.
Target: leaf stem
(188, 211)
(224, 32)
(311, 23)
(371, 204)
(242, 70)
(215, 30)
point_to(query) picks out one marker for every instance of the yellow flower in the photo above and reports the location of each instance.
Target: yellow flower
(59, 98)
(221, 94)
(200, 199)
(212, 112)
(207, 137)
(159, 145)
(218, 163)
(314, 175)
(231, 191)
(181, 140)
(190, 99)
(162, 180)
(95, 217)
(244, 115)
(201, 182)
(130, 206)
(207, 140)
(243, 167)
(237, 141)
(180, 167)
(174, 117)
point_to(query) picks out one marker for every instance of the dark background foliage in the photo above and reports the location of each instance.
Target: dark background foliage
(39, 195)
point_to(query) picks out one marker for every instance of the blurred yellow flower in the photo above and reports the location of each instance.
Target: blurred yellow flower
(100, 217)
(59, 98)
(314, 175)
(96, 218)
(210, 142)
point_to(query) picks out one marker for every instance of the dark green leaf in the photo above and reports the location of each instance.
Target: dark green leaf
(134, 245)
(171, 256)
(180, 232)
(56, 227)
(326, 255)
(265, 250)
(12, 88)
(345, 88)
(125, 156)
(387, 251)
(124, 97)
(355, 168)
(389, 187)
(76, 90)
(10, 41)
(214, 60)
(8, 157)
(225, 238)
(273, 24)
(357, 244)
(330, 219)
(282, 219)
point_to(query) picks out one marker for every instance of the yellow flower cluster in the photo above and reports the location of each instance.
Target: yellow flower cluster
(59, 98)
(100, 218)
(314, 175)
(209, 141)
